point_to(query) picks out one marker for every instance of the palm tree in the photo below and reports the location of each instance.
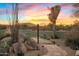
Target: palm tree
(53, 17)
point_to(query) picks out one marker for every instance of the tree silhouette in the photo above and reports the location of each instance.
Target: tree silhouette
(53, 16)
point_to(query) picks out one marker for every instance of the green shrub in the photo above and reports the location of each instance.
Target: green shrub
(44, 36)
(4, 47)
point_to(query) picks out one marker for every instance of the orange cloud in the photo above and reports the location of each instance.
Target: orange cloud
(40, 12)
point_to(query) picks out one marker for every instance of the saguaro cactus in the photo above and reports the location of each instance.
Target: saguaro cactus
(14, 27)
(37, 35)
(53, 17)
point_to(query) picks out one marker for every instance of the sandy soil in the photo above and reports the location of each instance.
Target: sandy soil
(42, 41)
(60, 43)
(53, 49)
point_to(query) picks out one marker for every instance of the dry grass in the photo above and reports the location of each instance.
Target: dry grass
(72, 39)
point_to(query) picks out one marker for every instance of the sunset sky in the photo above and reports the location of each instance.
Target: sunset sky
(37, 13)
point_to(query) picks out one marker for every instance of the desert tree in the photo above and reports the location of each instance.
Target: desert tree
(53, 17)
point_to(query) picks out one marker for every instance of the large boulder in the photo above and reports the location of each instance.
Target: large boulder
(18, 49)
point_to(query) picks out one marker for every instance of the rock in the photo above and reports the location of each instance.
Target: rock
(77, 53)
(32, 44)
(18, 49)
(28, 47)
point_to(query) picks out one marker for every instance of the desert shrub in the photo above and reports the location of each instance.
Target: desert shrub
(72, 39)
(44, 36)
(48, 38)
(27, 38)
(53, 42)
(56, 37)
(2, 32)
(51, 37)
(4, 47)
